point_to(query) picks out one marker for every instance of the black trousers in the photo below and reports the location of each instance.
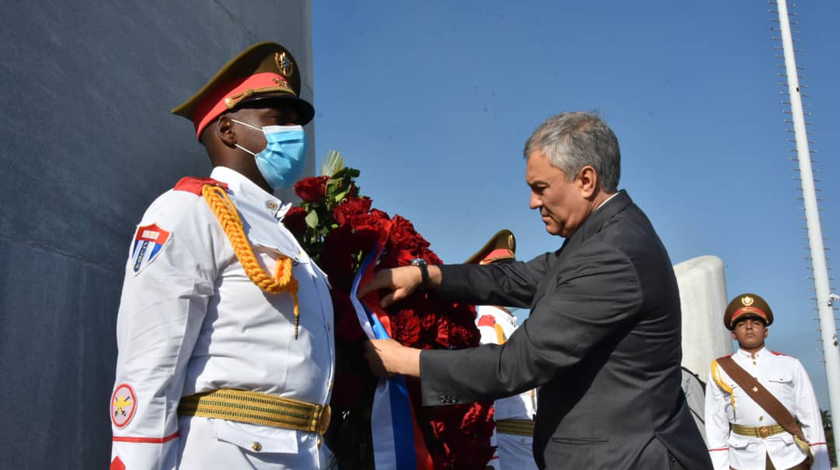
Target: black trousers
(656, 456)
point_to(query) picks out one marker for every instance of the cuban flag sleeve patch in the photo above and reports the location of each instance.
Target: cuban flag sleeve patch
(149, 240)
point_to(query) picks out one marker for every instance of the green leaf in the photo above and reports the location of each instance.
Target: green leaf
(346, 173)
(334, 163)
(340, 196)
(312, 219)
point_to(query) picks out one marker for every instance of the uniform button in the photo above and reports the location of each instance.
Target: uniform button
(271, 205)
(761, 418)
(256, 447)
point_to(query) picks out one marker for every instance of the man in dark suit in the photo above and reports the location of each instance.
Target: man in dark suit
(602, 341)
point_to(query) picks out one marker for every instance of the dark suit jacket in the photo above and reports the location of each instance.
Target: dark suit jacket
(602, 342)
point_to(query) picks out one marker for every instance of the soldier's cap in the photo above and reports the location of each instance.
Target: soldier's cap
(264, 71)
(746, 306)
(501, 246)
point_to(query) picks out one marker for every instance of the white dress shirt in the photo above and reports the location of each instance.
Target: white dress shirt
(191, 321)
(727, 402)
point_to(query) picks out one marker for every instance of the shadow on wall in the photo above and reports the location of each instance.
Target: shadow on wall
(88, 143)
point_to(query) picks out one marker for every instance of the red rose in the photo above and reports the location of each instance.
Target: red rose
(349, 207)
(403, 236)
(295, 221)
(406, 327)
(428, 321)
(429, 256)
(397, 257)
(372, 227)
(443, 328)
(312, 189)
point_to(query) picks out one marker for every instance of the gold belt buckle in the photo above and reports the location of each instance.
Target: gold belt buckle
(324, 419)
(763, 431)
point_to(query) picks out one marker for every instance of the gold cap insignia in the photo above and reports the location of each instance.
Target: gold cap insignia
(746, 301)
(284, 65)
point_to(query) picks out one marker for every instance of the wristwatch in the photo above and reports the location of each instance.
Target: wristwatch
(424, 270)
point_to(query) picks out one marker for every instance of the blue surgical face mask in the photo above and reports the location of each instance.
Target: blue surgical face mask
(281, 161)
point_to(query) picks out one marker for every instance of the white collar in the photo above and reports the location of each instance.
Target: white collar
(243, 188)
(238, 182)
(606, 201)
(750, 355)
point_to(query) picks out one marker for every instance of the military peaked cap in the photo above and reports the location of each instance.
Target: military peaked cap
(745, 306)
(263, 71)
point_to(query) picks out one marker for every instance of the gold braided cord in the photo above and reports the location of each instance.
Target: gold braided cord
(283, 281)
(723, 385)
(500, 334)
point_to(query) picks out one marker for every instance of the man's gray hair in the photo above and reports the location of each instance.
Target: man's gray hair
(571, 141)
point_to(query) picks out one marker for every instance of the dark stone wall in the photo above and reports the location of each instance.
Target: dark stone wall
(86, 143)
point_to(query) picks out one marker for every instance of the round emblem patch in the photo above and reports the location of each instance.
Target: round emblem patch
(123, 405)
(746, 300)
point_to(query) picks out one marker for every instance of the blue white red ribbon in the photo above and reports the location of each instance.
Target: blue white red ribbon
(392, 423)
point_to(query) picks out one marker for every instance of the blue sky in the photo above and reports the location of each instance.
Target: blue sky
(433, 101)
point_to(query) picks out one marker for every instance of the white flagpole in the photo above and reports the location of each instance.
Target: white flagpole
(828, 328)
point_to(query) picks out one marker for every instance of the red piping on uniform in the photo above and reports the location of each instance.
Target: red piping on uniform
(145, 440)
(722, 448)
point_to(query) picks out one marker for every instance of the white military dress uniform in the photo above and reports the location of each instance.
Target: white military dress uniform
(727, 402)
(513, 451)
(191, 321)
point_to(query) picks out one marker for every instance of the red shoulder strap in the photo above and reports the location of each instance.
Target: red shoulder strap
(194, 185)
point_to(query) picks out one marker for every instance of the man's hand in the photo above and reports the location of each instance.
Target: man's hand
(402, 282)
(386, 356)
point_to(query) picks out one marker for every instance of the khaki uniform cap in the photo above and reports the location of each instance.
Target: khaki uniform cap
(747, 305)
(263, 71)
(501, 246)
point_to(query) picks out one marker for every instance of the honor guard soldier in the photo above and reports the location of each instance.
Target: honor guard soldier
(225, 326)
(761, 412)
(514, 415)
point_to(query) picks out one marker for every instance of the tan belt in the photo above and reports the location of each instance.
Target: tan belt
(761, 431)
(257, 408)
(519, 427)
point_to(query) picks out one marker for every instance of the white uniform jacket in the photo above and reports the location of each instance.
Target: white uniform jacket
(191, 321)
(513, 452)
(726, 402)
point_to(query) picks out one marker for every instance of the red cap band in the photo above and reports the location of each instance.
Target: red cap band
(214, 104)
(497, 254)
(745, 310)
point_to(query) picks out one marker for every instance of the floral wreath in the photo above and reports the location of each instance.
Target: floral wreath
(337, 227)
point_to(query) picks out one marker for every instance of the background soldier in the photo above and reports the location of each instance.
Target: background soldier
(761, 411)
(225, 325)
(514, 415)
